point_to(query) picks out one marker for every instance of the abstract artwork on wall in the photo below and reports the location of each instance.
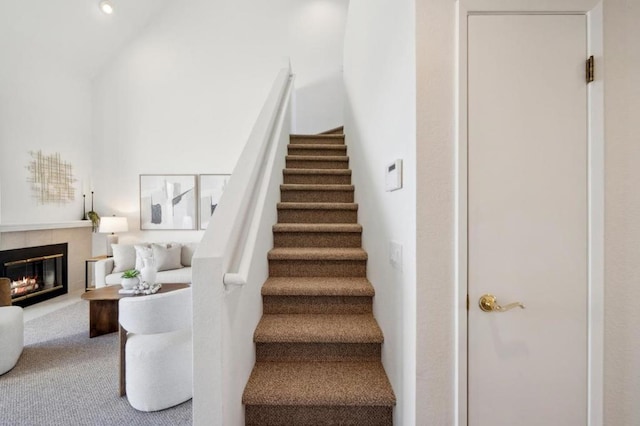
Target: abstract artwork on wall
(168, 202)
(211, 189)
(51, 178)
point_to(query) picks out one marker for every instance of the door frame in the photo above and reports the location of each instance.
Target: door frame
(592, 9)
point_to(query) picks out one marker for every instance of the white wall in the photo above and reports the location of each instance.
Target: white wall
(183, 96)
(435, 49)
(380, 117)
(50, 50)
(622, 211)
(48, 108)
(316, 38)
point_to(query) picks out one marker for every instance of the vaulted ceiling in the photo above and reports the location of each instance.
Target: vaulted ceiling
(70, 34)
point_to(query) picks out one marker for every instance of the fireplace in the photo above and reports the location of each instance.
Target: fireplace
(36, 273)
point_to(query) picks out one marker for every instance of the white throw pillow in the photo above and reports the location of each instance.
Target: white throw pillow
(188, 251)
(167, 257)
(124, 257)
(142, 251)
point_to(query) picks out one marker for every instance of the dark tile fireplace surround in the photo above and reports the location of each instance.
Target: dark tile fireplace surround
(36, 273)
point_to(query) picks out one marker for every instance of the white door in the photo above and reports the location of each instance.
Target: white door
(527, 219)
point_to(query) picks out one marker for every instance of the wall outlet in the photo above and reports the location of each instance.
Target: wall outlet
(395, 254)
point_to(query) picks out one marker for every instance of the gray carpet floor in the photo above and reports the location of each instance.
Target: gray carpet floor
(65, 378)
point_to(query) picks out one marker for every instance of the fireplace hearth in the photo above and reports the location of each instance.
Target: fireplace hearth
(36, 273)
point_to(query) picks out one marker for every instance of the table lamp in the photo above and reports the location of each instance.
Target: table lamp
(110, 225)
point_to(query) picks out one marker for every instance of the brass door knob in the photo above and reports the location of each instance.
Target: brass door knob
(489, 303)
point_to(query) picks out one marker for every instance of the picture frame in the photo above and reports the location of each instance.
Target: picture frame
(211, 188)
(168, 202)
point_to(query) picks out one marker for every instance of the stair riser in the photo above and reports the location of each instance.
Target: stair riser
(318, 268)
(339, 150)
(316, 164)
(317, 239)
(317, 216)
(318, 179)
(261, 415)
(317, 304)
(318, 352)
(310, 196)
(318, 140)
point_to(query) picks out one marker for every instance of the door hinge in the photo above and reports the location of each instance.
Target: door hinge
(590, 68)
(467, 302)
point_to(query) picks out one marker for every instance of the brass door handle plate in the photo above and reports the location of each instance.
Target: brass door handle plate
(489, 303)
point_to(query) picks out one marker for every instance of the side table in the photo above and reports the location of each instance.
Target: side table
(86, 270)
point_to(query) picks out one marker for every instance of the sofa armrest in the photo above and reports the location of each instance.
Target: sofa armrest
(101, 269)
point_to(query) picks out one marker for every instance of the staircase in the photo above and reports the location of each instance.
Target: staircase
(318, 345)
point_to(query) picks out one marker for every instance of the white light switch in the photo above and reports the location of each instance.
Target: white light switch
(395, 254)
(393, 178)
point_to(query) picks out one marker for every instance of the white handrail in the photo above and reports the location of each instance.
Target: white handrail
(240, 278)
(238, 232)
(235, 224)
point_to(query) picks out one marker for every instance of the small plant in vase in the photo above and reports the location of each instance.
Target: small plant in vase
(130, 279)
(95, 220)
(91, 215)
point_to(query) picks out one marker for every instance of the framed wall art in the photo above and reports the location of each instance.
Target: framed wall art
(168, 202)
(51, 178)
(211, 189)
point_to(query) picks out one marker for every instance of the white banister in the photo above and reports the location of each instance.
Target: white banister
(232, 254)
(240, 277)
(234, 224)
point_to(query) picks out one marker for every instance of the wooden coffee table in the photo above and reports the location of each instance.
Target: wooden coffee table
(103, 317)
(103, 307)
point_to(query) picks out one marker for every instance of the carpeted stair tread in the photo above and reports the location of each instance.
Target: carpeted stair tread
(314, 193)
(341, 158)
(319, 384)
(318, 206)
(317, 227)
(317, 171)
(318, 415)
(321, 146)
(317, 162)
(317, 286)
(312, 187)
(317, 176)
(325, 150)
(321, 135)
(317, 212)
(336, 139)
(317, 328)
(306, 253)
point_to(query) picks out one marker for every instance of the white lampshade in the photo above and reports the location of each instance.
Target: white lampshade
(113, 224)
(110, 225)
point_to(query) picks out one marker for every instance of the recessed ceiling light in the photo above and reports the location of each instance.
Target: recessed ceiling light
(106, 7)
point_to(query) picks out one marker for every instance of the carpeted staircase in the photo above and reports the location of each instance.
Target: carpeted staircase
(318, 345)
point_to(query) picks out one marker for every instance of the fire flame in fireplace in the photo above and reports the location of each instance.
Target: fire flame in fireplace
(23, 286)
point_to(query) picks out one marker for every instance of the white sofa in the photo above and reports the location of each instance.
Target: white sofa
(173, 261)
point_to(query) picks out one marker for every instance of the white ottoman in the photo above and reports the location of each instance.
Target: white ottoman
(159, 369)
(11, 336)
